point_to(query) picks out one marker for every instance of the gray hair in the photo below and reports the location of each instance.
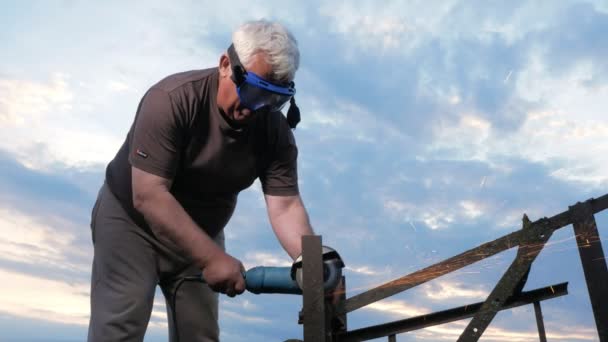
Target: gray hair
(275, 41)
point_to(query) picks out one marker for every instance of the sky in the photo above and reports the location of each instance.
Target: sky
(428, 128)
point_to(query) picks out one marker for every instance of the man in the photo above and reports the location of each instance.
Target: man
(198, 139)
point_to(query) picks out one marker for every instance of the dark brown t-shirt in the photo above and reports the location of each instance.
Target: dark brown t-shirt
(179, 133)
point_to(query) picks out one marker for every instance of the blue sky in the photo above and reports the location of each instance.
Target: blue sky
(429, 127)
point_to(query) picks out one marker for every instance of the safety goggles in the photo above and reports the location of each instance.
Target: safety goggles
(255, 93)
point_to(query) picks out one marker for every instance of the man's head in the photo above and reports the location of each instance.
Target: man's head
(265, 49)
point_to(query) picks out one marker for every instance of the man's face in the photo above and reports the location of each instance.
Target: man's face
(227, 96)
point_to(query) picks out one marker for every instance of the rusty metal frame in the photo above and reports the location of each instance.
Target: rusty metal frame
(530, 240)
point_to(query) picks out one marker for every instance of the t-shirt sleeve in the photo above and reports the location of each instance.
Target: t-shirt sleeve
(281, 176)
(157, 135)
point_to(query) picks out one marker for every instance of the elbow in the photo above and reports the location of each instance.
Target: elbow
(145, 201)
(138, 202)
(141, 201)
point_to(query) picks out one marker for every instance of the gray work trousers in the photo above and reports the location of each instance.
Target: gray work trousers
(128, 263)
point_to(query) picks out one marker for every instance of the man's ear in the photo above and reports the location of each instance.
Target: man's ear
(224, 67)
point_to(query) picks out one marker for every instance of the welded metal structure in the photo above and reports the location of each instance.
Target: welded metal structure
(327, 322)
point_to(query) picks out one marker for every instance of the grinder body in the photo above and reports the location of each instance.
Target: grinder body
(288, 280)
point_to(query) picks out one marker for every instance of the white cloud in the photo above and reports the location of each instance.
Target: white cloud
(40, 298)
(369, 270)
(445, 290)
(472, 209)
(27, 240)
(568, 135)
(397, 308)
(437, 219)
(158, 317)
(371, 30)
(262, 258)
(241, 304)
(39, 126)
(23, 103)
(119, 86)
(245, 318)
(434, 215)
(401, 27)
(393, 27)
(465, 139)
(340, 118)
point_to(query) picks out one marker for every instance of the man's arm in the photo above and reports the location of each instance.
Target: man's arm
(289, 221)
(164, 214)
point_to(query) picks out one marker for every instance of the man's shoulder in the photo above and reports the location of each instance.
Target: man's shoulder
(180, 79)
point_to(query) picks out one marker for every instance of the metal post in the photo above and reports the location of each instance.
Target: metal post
(314, 295)
(392, 338)
(594, 264)
(539, 322)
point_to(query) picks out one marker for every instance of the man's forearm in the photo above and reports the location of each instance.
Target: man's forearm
(166, 216)
(290, 223)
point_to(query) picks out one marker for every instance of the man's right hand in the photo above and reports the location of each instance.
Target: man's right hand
(224, 273)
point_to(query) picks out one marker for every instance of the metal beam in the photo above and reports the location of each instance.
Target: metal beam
(447, 316)
(464, 259)
(539, 322)
(594, 264)
(533, 240)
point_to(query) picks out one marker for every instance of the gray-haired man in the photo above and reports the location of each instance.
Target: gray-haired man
(198, 139)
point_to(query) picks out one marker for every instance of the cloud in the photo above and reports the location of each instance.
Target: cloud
(240, 305)
(446, 290)
(397, 308)
(472, 209)
(40, 298)
(434, 216)
(368, 270)
(158, 317)
(245, 318)
(571, 145)
(383, 30)
(23, 103)
(24, 239)
(37, 126)
(262, 258)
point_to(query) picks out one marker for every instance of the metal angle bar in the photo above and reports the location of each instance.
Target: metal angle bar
(533, 241)
(313, 310)
(539, 322)
(340, 319)
(450, 315)
(459, 261)
(594, 264)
